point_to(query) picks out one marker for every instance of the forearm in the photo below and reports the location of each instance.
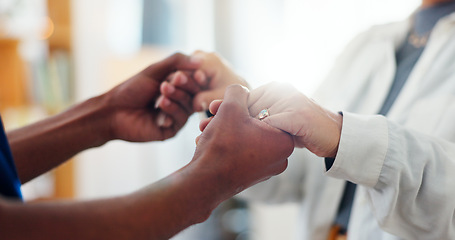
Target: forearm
(189, 203)
(44, 145)
(155, 212)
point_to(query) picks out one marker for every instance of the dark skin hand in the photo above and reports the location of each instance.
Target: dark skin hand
(235, 151)
(126, 112)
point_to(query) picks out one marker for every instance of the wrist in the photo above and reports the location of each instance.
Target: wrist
(217, 178)
(176, 202)
(209, 183)
(95, 115)
(47, 143)
(197, 191)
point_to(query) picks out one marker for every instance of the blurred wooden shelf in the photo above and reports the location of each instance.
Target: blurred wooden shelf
(59, 12)
(14, 81)
(12, 75)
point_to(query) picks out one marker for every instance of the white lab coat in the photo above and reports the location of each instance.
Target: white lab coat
(404, 164)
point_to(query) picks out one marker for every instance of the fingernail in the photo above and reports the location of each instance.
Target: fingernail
(158, 101)
(166, 102)
(246, 89)
(200, 77)
(170, 76)
(167, 121)
(183, 79)
(170, 88)
(160, 119)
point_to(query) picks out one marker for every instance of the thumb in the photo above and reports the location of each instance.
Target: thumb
(235, 102)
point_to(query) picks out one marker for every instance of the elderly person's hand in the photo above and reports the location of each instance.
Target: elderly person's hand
(312, 126)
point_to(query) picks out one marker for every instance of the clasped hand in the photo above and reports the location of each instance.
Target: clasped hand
(311, 125)
(234, 143)
(236, 148)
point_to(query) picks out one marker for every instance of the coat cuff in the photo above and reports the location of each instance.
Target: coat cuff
(362, 149)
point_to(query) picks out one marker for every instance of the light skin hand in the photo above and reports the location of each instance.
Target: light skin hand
(218, 75)
(213, 75)
(312, 126)
(249, 150)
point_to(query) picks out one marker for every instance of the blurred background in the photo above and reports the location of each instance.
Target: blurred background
(54, 53)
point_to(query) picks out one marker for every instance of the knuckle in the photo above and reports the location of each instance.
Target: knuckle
(198, 51)
(237, 88)
(287, 87)
(177, 55)
(236, 91)
(213, 56)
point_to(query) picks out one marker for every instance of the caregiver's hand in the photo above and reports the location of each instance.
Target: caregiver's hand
(312, 126)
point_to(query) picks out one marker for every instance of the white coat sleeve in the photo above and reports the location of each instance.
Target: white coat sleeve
(410, 176)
